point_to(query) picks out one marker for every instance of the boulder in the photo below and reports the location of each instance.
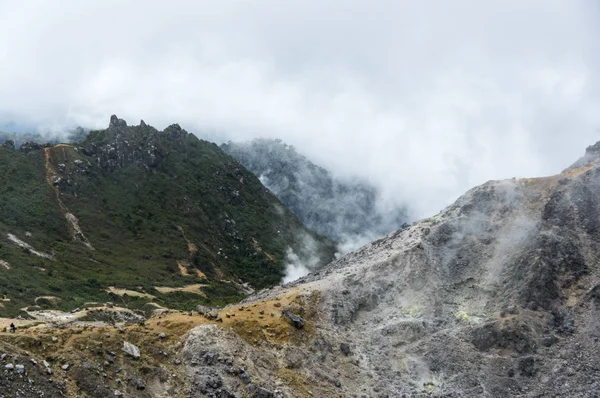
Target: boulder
(295, 320)
(131, 350)
(345, 349)
(202, 310)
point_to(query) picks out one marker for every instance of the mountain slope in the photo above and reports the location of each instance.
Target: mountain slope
(346, 211)
(495, 296)
(134, 208)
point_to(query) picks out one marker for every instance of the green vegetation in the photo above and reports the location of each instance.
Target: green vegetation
(146, 201)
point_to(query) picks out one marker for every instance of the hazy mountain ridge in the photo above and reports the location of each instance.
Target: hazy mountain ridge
(75, 135)
(349, 212)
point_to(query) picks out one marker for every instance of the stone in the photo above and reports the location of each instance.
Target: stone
(140, 385)
(345, 349)
(202, 309)
(526, 366)
(244, 376)
(549, 340)
(295, 320)
(65, 367)
(512, 309)
(131, 350)
(9, 366)
(162, 336)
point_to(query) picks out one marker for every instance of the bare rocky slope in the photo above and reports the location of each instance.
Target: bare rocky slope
(496, 296)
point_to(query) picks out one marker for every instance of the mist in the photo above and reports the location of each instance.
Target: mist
(422, 100)
(306, 260)
(348, 211)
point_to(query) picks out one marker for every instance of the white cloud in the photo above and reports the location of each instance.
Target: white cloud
(425, 99)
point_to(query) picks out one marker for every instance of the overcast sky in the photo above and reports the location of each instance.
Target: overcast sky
(426, 99)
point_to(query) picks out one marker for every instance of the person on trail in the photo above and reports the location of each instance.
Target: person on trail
(13, 328)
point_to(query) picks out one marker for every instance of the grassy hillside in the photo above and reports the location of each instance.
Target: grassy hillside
(135, 209)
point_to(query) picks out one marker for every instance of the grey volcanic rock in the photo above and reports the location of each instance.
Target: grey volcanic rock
(295, 320)
(131, 350)
(496, 296)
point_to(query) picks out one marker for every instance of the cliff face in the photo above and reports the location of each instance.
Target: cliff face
(496, 296)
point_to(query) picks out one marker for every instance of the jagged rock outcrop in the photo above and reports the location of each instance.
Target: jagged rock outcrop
(116, 122)
(10, 144)
(495, 296)
(29, 147)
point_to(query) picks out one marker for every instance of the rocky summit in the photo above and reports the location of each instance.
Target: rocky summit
(498, 295)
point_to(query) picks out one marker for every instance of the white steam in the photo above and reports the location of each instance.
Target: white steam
(294, 267)
(306, 260)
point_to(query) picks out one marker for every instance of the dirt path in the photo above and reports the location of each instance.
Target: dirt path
(72, 220)
(195, 289)
(132, 293)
